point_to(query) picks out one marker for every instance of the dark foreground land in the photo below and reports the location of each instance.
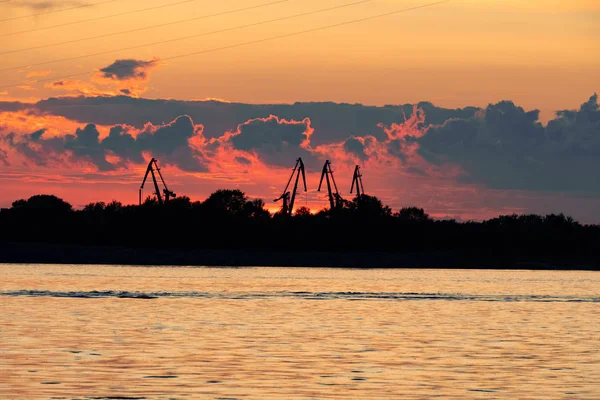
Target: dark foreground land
(228, 229)
(43, 253)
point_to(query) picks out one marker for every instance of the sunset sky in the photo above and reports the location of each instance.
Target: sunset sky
(472, 163)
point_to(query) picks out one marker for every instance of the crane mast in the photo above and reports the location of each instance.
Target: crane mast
(335, 200)
(168, 194)
(357, 181)
(287, 197)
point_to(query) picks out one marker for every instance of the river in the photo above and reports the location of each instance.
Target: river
(123, 332)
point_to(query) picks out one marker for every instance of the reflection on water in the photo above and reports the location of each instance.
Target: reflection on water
(100, 332)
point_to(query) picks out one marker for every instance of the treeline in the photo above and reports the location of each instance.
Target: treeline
(228, 219)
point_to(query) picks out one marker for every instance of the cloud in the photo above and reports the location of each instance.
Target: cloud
(128, 69)
(35, 74)
(79, 87)
(501, 146)
(275, 141)
(123, 77)
(177, 143)
(44, 5)
(332, 122)
(506, 147)
(4, 158)
(174, 143)
(357, 146)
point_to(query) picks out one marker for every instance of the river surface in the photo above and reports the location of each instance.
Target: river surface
(120, 332)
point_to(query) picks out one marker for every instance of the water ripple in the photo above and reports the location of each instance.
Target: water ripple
(300, 295)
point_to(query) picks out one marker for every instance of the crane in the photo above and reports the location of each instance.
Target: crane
(335, 200)
(153, 166)
(288, 203)
(357, 180)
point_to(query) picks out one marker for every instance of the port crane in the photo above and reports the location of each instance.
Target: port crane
(357, 181)
(287, 197)
(335, 200)
(153, 166)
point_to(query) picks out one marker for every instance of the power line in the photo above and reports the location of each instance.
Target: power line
(320, 28)
(188, 37)
(95, 18)
(56, 11)
(147, 27)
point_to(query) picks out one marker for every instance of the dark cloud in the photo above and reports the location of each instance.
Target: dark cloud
(276, 141)
(507, 147)
(502, 146)
(333, 122)
(4, 158)
(23, 146)
(397, 149)
(11, 106)
(122, 144)
(171, 143)
(243, 161)
(128, 69)
(357, 146)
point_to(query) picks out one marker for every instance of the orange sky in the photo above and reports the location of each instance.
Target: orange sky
(540, 54)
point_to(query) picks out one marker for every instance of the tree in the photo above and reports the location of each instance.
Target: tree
(150, 202)
(181, 202)
(94, 207)
(256, 209)
(226, 201)
(19, 203)
(302, 212)
(370, 207)
(114, 206)
(44, 202)
(413, 214)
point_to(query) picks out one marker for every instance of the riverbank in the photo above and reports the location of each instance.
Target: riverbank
(43, 253)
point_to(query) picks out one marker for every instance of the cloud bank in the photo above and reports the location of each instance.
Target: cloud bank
(501, 146)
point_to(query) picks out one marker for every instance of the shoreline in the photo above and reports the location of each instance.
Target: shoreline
(45, 253)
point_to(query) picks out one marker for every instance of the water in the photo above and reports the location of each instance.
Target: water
(99, 332)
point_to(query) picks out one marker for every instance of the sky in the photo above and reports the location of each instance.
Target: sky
(437, 103)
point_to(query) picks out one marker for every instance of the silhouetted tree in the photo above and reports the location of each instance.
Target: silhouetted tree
(114, 207)
(413, 214)
(181, 202)
(302, 211)
(150, 202)
(44, 202)
(366, 206)
(19, 204)
(226, 202)
(97, 207)
(228, 219)
(256, 209)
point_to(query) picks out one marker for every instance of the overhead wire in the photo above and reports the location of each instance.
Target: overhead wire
(189, 37)
(272, 3)
(59, 10)
(241, 44)
(97, 18)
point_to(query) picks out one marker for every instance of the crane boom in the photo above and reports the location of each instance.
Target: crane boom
(158, 196)
(288, 204)
(357, 181)
(335, 200)
(153, 166)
